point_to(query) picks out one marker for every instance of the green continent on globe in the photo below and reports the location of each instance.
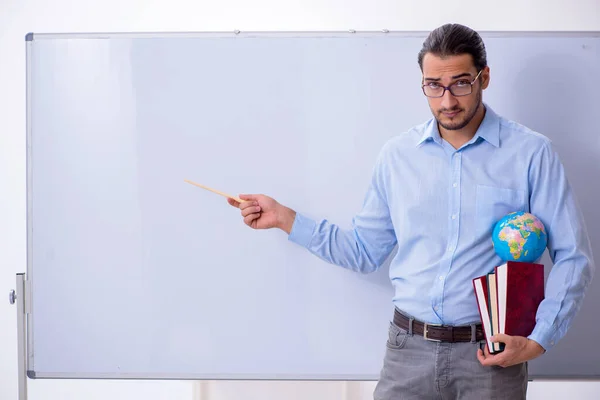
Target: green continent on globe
(515, 232)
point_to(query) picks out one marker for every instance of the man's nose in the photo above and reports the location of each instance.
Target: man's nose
(448, 100)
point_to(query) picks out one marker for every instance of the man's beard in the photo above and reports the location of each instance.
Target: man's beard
(456, 125)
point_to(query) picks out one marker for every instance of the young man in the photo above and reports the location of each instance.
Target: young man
(436, 192)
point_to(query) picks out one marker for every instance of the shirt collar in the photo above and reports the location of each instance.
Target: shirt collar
(431, 132)
(489, 130)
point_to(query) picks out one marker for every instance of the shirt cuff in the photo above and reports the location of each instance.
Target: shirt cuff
(543, 335)
(302, 230)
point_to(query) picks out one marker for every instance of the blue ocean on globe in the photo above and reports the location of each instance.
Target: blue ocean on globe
(519, 236)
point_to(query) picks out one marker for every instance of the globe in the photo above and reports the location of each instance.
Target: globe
(519, 236)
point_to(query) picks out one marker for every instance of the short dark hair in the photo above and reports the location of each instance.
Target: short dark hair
(453, 40)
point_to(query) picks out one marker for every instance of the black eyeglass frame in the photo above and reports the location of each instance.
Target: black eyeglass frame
(449, 88)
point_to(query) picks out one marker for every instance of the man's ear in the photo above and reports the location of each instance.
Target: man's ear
(485, 78)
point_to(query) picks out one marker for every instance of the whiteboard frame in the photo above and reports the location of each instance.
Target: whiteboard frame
(31, 37)
(292, 34)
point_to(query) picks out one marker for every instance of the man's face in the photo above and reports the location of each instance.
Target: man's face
(454, 112)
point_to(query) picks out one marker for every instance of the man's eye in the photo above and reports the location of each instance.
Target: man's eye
(433, 85)
(462, 83)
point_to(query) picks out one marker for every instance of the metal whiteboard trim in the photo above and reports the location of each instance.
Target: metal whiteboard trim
(266, 377)
(564, 378)
(29, 201)
(299, 34)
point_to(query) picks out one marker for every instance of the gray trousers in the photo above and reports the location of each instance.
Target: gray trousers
(416, 368)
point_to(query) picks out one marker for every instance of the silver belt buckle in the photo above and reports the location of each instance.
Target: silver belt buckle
(425, 331)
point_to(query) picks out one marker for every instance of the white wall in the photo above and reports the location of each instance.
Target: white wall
(17, 17)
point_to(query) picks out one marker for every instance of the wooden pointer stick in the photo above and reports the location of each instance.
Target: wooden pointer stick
(215, 191)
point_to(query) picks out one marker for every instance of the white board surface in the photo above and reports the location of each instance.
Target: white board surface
(136, 274)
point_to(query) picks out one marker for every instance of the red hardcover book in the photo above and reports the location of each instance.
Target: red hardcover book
(520, 288)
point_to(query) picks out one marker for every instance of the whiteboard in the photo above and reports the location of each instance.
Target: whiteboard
(134, 273)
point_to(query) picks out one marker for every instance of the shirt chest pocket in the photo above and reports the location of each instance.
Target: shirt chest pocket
(493, 203)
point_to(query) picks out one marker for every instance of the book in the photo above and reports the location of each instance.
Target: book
(493, 306)
(480, 285)
(508, 299)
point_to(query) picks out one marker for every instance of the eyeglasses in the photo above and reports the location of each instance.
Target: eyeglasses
(459, 88)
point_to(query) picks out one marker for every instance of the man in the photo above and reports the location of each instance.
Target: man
(436, 192)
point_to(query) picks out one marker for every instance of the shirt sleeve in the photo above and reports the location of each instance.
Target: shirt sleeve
(552, 200)
(365, 246)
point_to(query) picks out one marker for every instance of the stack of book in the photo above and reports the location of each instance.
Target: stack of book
(508, 299)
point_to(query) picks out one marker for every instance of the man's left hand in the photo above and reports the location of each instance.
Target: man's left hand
(517, 349)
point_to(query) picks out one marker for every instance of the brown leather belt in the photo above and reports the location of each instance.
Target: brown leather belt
(439, 333)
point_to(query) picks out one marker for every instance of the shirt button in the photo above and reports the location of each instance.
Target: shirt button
(453, 216)
(454, 184)
(441, 277)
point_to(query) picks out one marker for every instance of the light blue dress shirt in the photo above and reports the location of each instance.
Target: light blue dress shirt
(439, 205)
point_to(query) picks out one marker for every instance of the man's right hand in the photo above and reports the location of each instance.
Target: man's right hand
(263, 212)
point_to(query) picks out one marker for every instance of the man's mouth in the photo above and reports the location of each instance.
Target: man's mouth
(451, 114)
